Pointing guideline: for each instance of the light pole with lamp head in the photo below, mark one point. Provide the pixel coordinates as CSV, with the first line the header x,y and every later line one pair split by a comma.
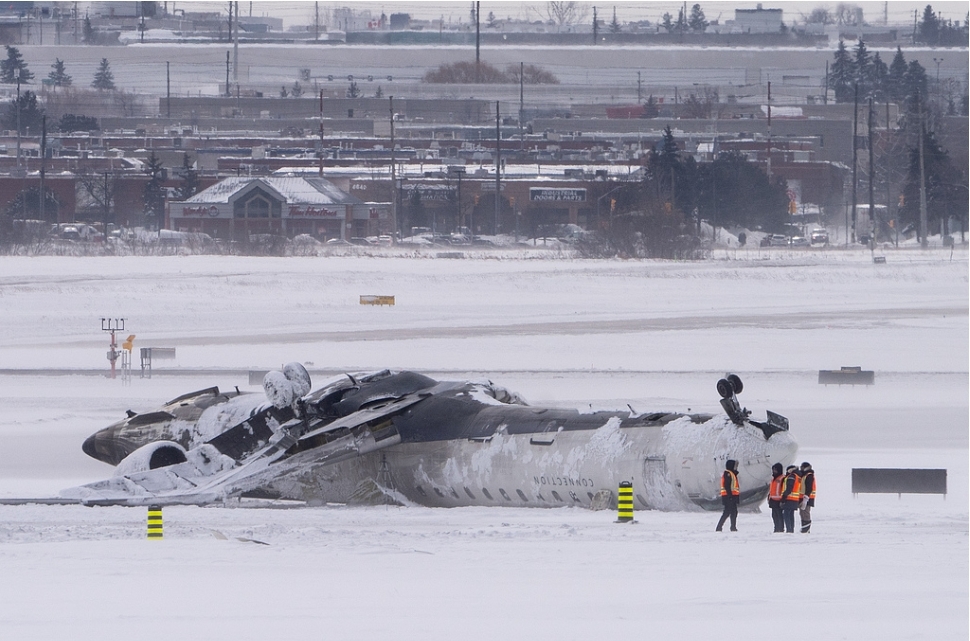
x,y
939,89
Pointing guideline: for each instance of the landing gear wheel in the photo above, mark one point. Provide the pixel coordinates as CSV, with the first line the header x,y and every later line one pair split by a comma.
x,y
735,382
724,388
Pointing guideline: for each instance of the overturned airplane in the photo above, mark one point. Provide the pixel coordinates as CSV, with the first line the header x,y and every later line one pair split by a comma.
x,y
402,437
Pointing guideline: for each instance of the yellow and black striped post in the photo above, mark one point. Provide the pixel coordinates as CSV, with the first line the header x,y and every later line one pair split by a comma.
x,y
624,502
154,521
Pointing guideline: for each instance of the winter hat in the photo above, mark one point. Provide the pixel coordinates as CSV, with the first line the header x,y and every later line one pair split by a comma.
x,y
777,468
806,465
790,468
732,465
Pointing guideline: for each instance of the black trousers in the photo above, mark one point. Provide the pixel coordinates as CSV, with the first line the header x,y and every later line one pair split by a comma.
x,y
777,518
730,511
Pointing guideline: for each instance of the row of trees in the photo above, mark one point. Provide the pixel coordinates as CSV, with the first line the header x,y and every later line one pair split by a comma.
x,y
660,215
484,73
14,68
895,82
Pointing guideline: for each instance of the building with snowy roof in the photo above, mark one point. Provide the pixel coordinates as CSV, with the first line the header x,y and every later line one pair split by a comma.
x,y
237,208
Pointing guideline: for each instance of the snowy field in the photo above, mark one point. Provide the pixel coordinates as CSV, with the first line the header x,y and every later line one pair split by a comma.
x,y
656,335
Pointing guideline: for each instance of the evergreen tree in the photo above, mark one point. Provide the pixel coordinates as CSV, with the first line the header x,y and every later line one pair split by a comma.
x,y
58,76
946,188
842,74
697,21
88,35
916,85
353,91
681,26
104,80
615,24
863,69
928,29
14,61
896,82
651,108
880,78
379,93
31,116
153,195
190,180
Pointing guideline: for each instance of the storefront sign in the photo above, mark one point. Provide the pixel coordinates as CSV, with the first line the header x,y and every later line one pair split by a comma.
x,y
542,194
211,211
309,211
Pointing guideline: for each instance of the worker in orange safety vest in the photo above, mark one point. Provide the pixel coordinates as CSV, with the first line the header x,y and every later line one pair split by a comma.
x,y
791,496
808,496
774,496
730,495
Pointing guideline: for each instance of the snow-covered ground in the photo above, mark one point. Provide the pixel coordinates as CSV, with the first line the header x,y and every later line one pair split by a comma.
x,y
572,333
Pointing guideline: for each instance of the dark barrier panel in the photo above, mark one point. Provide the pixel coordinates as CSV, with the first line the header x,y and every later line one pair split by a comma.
x,y
898,481
846,376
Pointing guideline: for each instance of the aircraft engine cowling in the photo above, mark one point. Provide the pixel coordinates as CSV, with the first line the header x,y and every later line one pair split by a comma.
x,y
286,387
151,457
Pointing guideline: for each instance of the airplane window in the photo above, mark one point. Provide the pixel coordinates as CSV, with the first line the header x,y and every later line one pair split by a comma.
x,y
522,495
421,491
487,495
505,495
590,495
642,501
556,496
469,493
574,497
454,493
438,492
542,498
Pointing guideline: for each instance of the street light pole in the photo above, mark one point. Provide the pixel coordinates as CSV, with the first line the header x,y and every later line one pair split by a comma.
x,y
16,73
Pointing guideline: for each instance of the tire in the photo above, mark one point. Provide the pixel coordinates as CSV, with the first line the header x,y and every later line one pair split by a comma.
x,y
735,382
724,388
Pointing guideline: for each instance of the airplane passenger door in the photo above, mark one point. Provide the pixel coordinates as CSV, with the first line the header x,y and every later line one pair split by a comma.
x,y
655,482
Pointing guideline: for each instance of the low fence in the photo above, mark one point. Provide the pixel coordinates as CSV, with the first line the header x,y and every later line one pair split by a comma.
x,y
898,481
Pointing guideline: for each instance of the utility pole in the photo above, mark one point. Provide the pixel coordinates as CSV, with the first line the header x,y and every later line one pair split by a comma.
x,y
872,202
168,90
639,92
43,161
394,185
498,168
769,131
923,224
227,75
521,104
855,157
316,20
825,97
595,27
320,170
234,31
478,40
16,73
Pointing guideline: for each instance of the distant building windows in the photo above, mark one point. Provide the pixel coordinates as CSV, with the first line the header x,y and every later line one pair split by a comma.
x,y
257,204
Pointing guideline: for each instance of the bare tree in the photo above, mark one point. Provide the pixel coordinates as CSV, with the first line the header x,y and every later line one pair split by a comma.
x,y
819,15
563,13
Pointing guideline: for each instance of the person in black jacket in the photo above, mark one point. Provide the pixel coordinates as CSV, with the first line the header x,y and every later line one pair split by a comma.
x,y
808,497
730,495
790,497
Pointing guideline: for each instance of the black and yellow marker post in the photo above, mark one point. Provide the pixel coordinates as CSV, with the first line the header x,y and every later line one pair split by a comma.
x,y
154,521
624,503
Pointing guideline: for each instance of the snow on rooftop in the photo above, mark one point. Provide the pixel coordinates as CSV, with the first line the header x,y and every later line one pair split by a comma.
x,y
294,189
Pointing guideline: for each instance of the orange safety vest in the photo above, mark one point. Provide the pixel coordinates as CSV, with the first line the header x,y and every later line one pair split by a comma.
x,y
734,489
775,489
796,491
811,491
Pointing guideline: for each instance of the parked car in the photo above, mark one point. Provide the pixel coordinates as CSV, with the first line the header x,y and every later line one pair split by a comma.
x,y
798,241
774,240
